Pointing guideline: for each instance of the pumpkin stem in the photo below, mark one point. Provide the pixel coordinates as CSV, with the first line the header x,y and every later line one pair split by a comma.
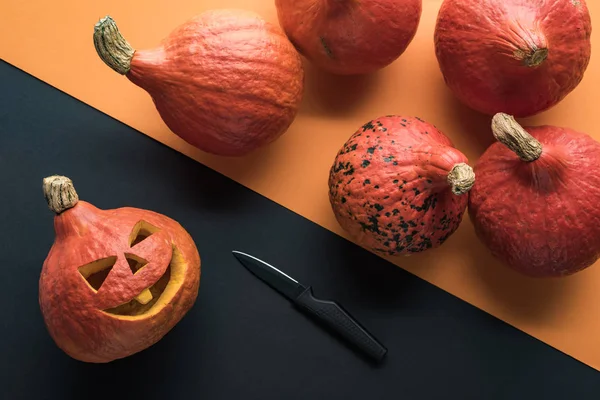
x,y
536,57
461,178
111,46
530,44
59,193
508,132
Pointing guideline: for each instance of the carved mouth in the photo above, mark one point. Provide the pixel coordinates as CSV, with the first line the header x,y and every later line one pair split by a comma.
x,y
148,297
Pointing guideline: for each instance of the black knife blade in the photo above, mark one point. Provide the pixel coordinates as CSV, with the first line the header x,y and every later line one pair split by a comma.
x,y
328,312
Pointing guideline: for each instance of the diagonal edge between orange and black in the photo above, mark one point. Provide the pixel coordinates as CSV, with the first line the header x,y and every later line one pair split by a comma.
x,y
240,337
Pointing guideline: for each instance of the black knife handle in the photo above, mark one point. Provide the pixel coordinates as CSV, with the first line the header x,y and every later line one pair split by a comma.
x,y
339,320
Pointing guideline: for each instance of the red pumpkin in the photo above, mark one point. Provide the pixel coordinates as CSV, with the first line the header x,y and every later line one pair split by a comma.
x,y
226,81
115,281
535,202
398,185
349,36
513,56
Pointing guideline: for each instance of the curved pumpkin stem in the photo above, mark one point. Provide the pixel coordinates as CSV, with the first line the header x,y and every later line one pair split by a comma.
x,y
461,178
59,193
508,132
111,46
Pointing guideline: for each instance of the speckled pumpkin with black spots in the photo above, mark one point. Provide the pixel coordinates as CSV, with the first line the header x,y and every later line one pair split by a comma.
x,y
398,186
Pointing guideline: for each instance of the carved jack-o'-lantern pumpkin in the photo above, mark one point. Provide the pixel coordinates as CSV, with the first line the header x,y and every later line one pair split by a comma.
x,y
115,281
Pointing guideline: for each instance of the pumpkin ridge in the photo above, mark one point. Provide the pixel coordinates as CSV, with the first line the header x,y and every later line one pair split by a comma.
x,y
248,60
240,94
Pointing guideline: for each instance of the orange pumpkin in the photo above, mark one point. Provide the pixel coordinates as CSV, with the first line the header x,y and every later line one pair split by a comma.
x,y
350,37
226,81
115,281
398,186
512,56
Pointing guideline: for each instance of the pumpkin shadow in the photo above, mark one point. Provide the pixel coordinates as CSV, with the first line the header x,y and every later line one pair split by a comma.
x,y
476,131
330,94
253,163
387,283
390,282
187,180
134,376
101,381
533,299
382,282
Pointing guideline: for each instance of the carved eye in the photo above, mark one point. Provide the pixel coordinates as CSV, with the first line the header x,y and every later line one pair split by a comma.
x,y
135,262
142,230
95,273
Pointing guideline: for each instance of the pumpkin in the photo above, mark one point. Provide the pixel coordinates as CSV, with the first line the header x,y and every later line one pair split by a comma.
x,y
349,37
226,81
512,56
114,281
397,186
535,202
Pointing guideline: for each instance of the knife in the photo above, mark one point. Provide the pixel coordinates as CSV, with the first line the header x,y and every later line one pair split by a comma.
x,y
328,312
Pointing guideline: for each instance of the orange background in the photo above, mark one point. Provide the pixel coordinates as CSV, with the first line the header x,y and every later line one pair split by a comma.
x,y
53,41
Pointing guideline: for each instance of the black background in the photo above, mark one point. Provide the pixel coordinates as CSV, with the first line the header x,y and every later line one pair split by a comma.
x,y
242,340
